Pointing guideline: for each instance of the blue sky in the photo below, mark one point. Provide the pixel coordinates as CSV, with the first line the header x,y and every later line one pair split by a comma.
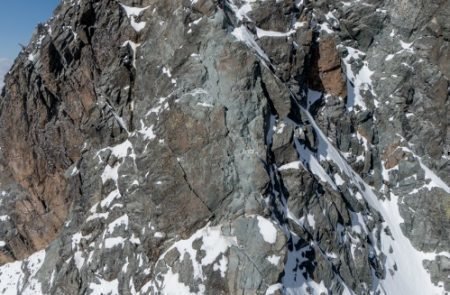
x,y
18,18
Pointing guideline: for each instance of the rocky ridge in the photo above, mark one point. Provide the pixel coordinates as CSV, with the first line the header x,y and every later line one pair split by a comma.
x,y
230,147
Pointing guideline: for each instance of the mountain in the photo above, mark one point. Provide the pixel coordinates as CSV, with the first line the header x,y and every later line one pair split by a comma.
x,y
229,147
4,67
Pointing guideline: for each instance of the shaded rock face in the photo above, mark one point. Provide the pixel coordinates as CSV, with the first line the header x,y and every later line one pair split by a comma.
x,y
228,147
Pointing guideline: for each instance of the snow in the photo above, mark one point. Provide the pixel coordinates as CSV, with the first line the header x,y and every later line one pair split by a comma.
x,y
271,129
311,220
173,286
272,288
392,34
363,140
221,266
137,26
331,18
434,180
31,57
404,255
406,46
4,218
325,27
242,34
74,171
132,13
113,242
104,287
133,47
110,173
280,127
263,33
123,220
135,240
106,202
243,10
76,238
311,163
79,259
313,96
389,57
358,223
204,104
120,151
97,216
295,282
338,179
298,25
274,259
267,230
147,132
13,275
161,105
159,235
361,81
291,165
214,245
167,72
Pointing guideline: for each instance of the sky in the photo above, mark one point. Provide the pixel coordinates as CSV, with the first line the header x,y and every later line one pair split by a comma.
x,y
18,19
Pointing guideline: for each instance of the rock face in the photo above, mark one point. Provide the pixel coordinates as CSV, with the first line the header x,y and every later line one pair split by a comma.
x,y
228,147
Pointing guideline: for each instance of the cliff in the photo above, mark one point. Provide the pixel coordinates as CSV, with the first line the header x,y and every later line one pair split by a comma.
x,y
229,147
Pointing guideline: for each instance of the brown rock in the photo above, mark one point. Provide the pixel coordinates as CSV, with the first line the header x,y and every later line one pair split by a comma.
x,y
206,7
325,73
392,156
5,257
329,58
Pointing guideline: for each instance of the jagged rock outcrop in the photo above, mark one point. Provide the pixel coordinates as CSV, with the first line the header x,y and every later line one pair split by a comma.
x,y
228,147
